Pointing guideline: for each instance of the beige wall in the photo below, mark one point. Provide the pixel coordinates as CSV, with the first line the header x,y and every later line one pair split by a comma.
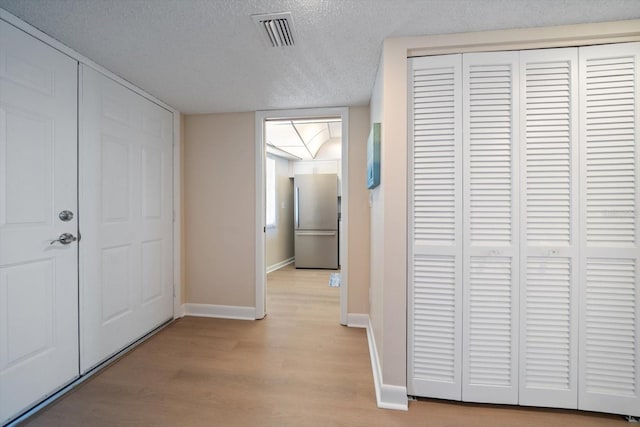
x,y
219,178
183,236
377,225
279,240
394,173
219,210
358,291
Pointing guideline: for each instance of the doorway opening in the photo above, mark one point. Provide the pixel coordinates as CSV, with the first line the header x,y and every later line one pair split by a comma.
x,y
313,144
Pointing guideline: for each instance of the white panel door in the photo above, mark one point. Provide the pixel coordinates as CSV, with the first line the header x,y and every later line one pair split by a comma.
x,y
610,243
490,266
38,175
549,238
126,223
435,228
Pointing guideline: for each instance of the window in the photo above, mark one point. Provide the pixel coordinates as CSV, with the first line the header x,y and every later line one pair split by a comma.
x,y
271,192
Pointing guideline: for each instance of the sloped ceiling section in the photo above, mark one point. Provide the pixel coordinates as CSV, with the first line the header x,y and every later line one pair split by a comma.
x,y
206,56
301,139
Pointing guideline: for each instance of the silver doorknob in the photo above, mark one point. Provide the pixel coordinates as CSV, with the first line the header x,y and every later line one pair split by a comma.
x,y
65,215
65,239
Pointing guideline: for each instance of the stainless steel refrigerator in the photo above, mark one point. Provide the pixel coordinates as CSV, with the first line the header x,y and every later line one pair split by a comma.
x,y
316,221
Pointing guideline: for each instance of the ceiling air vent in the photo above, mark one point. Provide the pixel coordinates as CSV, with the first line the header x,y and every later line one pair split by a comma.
x,y
276,28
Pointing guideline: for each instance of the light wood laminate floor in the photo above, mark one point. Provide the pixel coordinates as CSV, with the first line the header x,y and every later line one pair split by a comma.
x,y
297,367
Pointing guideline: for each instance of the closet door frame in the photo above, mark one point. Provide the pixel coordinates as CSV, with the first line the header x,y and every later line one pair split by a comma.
x,y
501,40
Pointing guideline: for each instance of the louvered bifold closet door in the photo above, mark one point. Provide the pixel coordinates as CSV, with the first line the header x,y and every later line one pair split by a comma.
x,y
435,227
549,238
610,248
490,265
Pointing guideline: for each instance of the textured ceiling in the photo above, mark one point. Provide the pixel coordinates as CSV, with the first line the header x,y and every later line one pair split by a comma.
x,y
205,56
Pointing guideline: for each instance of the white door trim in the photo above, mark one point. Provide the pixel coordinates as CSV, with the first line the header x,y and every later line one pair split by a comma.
x,y
261,276
177,218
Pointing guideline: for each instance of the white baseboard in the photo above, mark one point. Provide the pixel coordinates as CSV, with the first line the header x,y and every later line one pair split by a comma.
x,y
179,311
357,320
280,264
387,396
219,311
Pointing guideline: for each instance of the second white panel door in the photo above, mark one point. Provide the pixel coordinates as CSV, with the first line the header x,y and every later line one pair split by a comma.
x,y
490,236
126,223
549,227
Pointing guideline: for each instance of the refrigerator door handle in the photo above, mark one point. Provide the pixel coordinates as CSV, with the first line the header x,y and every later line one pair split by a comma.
x,y
296,207
315,233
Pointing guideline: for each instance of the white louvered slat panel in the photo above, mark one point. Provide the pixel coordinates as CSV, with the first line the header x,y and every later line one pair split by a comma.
x,y
548,151
435,229
610,327
434,296
548,297
490,153
491,205
611,151
490,338
610,251
434,156
549,228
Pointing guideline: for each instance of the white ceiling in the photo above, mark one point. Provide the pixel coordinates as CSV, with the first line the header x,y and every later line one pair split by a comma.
x,y
205,56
